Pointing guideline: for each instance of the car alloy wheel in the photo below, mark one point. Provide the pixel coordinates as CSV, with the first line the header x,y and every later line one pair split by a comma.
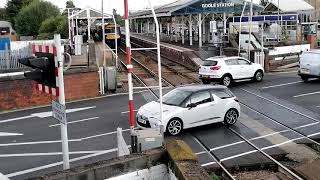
x,y
258,76
226,81
231,117
174,127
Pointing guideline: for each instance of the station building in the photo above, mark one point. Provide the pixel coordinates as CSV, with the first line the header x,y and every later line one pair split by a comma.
x,y
217,22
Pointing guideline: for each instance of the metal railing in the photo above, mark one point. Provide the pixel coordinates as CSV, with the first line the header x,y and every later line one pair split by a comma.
x,y
9,58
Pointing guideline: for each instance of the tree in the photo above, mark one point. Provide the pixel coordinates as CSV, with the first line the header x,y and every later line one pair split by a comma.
x,y
30,17
263,2
69,4
54,25
3,14
118,18
13,7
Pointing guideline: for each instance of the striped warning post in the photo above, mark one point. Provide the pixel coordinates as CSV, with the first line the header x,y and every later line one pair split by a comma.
x,y
47,48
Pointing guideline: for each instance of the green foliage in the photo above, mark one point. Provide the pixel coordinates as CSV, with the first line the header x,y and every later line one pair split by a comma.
x,y
118,18
69,4
3,15
30,17
214,176
54,25
13,7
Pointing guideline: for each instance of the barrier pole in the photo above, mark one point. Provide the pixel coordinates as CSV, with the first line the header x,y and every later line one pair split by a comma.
x,y
129,68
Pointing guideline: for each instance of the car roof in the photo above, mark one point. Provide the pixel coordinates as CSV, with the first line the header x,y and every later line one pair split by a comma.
x,y
222,58
195,88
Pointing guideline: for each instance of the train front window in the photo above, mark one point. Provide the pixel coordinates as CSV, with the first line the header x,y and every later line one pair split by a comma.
x,y
111,30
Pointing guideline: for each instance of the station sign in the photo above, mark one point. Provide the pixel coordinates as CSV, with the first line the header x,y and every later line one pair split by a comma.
x,y
217,5
59,112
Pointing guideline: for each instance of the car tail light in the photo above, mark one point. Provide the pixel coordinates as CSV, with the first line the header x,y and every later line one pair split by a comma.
x,y
215,68
237,100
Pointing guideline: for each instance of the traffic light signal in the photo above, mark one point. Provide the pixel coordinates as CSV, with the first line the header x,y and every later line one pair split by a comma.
x,y
44,68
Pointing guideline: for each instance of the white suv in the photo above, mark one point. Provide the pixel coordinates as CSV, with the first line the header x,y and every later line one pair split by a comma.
x,y
228,69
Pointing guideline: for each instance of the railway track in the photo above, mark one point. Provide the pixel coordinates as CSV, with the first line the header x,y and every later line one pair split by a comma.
x,y
295,130
172,72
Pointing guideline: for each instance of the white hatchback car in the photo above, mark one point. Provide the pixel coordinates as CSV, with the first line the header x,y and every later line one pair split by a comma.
x,y
228,69
191,106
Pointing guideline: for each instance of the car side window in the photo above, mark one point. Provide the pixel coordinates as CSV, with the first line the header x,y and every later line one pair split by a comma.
x,y
222,94
200,98
243,62
231,62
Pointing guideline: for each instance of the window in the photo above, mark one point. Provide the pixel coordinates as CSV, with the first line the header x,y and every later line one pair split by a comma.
x,y
175,97
243,62
231,62
223,93
210,63
200,98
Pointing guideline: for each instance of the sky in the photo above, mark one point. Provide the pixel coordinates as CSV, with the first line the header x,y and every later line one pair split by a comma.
x,y
108,4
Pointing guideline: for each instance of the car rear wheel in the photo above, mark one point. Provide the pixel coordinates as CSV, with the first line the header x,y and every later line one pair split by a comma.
x,y
231,117
174,126
258,76
226,80
205,81
304,78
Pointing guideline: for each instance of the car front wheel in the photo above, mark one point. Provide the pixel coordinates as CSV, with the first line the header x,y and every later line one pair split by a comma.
x,y
231,117
304,78
258,76
174,126
226,80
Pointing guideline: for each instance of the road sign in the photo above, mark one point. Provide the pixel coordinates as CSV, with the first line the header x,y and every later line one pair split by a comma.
x,y
59,112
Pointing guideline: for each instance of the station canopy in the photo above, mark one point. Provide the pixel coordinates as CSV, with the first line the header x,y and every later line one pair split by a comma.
x,y
288,6
186,7
89,13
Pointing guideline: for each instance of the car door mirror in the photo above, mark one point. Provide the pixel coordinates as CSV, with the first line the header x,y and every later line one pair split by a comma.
x,y
191,105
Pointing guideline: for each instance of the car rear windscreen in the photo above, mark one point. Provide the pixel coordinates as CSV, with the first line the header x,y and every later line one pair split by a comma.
x,y
210,63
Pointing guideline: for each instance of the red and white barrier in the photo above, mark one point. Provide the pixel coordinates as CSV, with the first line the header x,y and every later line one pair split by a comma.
x,y
47,48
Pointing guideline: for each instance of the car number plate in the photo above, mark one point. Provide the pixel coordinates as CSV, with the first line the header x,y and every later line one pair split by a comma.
x,y
305,71
142,121
205,76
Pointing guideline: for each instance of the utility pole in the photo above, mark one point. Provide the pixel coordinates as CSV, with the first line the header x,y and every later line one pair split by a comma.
x,y
62,101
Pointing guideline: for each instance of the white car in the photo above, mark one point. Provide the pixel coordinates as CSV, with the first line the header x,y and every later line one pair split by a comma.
x,y
228,69
191,106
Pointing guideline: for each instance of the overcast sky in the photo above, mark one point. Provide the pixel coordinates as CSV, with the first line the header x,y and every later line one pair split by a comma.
x,y
108,4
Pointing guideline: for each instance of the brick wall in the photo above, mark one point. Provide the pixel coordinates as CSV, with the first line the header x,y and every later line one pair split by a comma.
x,y
20,93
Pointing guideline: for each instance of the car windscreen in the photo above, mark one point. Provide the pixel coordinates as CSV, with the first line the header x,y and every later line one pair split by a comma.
x,y
175,97
209,63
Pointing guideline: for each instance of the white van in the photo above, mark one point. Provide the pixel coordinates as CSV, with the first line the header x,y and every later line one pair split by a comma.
x,y
309,65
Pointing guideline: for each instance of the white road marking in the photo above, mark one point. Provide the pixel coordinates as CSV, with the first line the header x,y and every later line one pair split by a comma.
x,y
208,164
2,134
279,85
60,163
72,122
318,106
238,155
59,141
307,94
99,135
48,153
15,119
37,142
126,112
45,114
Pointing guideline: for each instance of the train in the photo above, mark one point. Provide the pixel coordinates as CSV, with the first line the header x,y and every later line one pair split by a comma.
x,y
112,33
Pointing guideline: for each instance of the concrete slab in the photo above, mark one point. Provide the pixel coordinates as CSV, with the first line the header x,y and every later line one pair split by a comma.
x,y
309,170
